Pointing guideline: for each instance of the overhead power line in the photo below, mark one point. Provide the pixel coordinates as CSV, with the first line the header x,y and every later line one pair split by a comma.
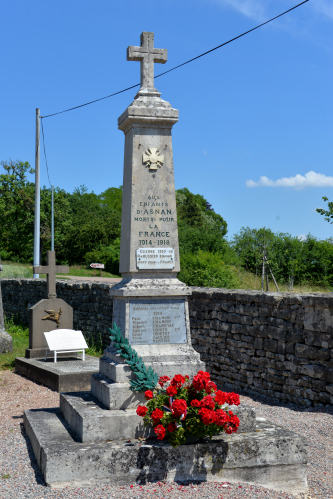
x,y
179,65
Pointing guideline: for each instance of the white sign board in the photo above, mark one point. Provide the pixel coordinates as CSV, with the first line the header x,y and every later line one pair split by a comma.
x,y
65,339
97,265
155,258
156,322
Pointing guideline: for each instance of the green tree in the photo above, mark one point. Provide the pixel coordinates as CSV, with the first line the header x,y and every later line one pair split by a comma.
x,y
328,214
291,259
92,225
199,227
112,198
16,209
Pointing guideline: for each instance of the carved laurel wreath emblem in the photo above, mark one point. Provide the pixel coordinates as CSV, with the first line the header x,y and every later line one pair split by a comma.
x,y
152,158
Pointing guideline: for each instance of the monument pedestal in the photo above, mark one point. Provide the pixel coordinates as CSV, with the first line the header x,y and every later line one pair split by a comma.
x,y
77,453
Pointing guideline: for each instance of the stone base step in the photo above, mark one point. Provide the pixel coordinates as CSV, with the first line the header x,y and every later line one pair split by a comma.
x,y
270,456
69,374
91,421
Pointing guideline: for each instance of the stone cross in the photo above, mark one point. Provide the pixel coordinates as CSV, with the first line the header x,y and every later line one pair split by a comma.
x,y
147,55
51,269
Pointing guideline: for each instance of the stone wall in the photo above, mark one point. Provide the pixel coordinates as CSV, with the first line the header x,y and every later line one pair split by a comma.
x,y
91,302
273,344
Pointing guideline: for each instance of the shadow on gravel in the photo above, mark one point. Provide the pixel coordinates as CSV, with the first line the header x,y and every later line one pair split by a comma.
x,y
33,462
273,402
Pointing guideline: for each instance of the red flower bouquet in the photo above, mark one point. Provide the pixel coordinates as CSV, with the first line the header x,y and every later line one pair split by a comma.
x,y
178,408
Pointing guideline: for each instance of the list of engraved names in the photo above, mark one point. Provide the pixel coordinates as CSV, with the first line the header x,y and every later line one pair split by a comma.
x,y
156,322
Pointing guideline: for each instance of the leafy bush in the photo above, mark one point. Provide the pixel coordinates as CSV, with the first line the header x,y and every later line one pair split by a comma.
x,y
109,255
208,270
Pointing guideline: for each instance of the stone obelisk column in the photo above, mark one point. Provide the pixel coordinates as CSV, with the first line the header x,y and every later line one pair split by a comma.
x,y
150,303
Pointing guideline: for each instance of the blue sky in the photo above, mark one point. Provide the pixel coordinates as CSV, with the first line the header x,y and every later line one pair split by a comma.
x,y
255,130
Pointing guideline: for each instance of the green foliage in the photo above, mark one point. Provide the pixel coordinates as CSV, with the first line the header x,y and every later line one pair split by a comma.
x,y
328,214
94,343
92,225
20,336
146,379
199,227
208,270
112,198
16,271
291,259
109,255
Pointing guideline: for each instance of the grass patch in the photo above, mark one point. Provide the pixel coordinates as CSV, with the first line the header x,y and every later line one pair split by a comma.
x,y
95,345
78,271
17,270
20,335
24,271
250,281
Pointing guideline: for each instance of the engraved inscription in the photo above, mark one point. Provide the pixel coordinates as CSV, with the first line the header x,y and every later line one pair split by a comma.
x,y
154,213
154,258
156,322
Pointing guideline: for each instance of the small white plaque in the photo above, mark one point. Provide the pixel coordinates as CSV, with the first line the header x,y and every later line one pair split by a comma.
x,y
155,258
156,322
65,339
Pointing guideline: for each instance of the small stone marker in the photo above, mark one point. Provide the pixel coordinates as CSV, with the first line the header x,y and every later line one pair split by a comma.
x,y
48,313
6,341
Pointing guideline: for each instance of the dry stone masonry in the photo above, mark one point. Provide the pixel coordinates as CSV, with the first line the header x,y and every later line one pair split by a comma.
x,y
275,344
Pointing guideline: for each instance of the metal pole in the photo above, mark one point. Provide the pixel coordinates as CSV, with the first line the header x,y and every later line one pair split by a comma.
x,y
52,221
269,267
263,265
37,196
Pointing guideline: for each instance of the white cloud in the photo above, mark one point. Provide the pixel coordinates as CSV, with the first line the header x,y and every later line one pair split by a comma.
x,y
255,9
310,179
260,10
325,7
301,237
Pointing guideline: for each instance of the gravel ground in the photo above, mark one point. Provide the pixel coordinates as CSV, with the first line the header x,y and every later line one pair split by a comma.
x,y
20,477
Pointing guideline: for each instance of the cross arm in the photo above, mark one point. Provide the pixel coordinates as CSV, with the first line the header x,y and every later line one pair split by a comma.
x,y
62,269
40,269
160,55
135,53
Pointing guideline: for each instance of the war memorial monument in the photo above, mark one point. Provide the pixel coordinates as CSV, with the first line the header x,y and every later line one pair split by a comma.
x,y
96,437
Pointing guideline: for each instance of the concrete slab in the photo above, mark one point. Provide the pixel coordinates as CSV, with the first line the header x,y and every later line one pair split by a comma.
x,y
270,456
68,374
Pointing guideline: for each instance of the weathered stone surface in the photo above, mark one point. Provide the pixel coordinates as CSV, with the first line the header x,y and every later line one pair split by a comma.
x,y
115,395
6,342
39,324
68,374
271,457
90,420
